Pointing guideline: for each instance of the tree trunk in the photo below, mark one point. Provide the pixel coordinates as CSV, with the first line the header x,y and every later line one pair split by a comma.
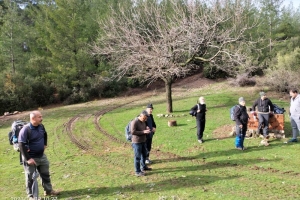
x,y
168,85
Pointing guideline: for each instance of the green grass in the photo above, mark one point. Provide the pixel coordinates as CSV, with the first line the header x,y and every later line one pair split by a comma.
x,y
88,163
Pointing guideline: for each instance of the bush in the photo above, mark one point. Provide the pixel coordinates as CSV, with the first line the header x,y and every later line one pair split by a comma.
x,y
242,80
281,80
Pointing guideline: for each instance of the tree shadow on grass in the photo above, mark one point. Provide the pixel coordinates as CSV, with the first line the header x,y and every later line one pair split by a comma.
x,y
125,190
212,154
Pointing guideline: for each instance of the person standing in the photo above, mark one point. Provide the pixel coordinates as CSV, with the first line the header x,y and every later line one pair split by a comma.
x,y
32,145
200,118
139,131
295,114
265,107
152,126
241,118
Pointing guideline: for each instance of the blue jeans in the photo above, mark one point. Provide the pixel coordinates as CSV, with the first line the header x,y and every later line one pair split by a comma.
x,y
140,153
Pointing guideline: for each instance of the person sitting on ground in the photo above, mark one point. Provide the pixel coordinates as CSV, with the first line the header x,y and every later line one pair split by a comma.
x,y
241,118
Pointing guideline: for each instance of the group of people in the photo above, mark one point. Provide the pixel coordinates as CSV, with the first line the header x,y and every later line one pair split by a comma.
x,y
143,129
265,108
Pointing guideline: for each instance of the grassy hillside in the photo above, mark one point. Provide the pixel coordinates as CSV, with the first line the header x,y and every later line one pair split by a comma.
x,y
91,159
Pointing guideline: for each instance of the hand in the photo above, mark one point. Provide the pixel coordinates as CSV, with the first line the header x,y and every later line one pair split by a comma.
x,y
147,131
198,111
147,127
241,126
153,129
31,162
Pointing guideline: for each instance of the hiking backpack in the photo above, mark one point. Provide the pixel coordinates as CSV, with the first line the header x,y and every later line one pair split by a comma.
x,y
128,134
194,112
232,112
278,110
14,133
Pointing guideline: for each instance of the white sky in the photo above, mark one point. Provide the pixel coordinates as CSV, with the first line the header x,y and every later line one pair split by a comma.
x,y
296,3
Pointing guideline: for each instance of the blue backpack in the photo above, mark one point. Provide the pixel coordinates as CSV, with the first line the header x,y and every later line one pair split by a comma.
x,y
278,110
232,112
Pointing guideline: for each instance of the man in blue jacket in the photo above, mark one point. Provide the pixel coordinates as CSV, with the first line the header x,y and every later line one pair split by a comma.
x,y
32,143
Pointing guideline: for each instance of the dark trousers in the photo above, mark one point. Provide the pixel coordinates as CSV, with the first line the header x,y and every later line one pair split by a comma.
x,y
149,144
200,128
263,120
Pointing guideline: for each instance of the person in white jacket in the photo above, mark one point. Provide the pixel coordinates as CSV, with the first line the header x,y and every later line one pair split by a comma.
x,y
295,114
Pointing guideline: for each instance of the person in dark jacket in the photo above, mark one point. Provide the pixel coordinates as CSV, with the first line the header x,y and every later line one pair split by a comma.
x,y
200,118
152,126
139,132
264,108
241,118
32,146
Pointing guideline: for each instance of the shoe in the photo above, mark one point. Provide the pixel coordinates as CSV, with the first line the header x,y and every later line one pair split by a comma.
x,y
147,169
200,141
148,161
51,193
293,140
140,174
239,148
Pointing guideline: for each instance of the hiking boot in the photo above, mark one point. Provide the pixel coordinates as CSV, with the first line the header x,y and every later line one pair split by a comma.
x,y
140,174
293,140
146,169
51,193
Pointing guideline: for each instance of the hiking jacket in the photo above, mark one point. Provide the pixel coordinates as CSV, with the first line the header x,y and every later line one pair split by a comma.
x,y
295,106
151,124
200,115
263,105
240,115
137,131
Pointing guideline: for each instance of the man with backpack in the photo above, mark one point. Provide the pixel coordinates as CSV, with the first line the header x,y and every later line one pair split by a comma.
x,y
139,131
241,118
152,126
265,107
32,144
200,109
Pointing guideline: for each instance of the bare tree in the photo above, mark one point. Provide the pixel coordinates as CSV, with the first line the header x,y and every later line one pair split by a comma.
x,y
166,40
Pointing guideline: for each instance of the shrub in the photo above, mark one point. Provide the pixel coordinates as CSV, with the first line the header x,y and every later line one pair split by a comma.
x,y
242,80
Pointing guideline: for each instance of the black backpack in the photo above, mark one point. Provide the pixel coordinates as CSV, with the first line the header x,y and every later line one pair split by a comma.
x,y
193,113
14,133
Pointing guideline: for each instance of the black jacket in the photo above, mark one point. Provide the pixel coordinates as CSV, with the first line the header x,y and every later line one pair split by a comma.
x,y
200,115
263,105
240,115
